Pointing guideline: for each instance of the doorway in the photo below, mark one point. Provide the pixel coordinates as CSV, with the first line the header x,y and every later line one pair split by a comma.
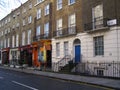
x,y
77,51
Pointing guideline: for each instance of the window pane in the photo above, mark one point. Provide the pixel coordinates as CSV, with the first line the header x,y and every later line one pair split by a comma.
x,y
29,36
46,28
72,21
38,31
59,4
99,45
38,13
71,1
58,49
65,48
47,9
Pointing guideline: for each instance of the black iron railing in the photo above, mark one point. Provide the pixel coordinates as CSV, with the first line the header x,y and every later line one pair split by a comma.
x,y
97,23
42,36
65,32
105,69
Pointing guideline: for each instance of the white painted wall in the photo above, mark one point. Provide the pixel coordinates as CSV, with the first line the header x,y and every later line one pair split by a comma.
x,y
111,46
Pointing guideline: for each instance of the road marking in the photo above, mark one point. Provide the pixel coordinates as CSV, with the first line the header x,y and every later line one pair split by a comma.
x,y
24,85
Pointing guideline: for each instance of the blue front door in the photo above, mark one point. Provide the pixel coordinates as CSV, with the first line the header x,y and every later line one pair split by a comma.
x,y
77,53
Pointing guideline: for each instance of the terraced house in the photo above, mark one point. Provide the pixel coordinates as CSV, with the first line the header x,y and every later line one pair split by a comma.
x,y
25,34
101,40
56,33
66,28
87,33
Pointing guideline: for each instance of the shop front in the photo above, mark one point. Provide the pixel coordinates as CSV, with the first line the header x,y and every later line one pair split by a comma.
x,y
35,46
26,55
5,56
14,56
42,53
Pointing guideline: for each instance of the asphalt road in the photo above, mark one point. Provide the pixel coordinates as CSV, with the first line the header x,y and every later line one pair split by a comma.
x,y
11,80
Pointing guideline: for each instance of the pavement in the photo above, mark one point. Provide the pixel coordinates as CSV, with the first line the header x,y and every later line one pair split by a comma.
x,y
106,82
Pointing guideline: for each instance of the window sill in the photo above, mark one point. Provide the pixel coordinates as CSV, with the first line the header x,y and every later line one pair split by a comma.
x,y
38,3
59,9
46,14
98,55
71,3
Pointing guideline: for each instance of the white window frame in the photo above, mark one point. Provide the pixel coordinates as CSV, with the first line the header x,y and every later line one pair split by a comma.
x,y
46,29
70,3
13,41
24,22
72,20
47,9
8,30
1,43
97,16
9,19
29,37
59,27
23,38
24,10
66,48
30,19
38,30
2,33
30,5
98,45
5,31
39,1
39,11
8,42
59,4
72,23
6,21
17,40
4,43
57,49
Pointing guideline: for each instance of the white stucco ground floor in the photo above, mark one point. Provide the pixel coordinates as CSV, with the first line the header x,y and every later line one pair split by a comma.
x,y
96,46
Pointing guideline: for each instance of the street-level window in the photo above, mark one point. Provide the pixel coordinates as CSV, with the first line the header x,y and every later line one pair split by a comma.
x,y
71,2
98,45
38,30
66,48
38,13
59,4
57,49
47,11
